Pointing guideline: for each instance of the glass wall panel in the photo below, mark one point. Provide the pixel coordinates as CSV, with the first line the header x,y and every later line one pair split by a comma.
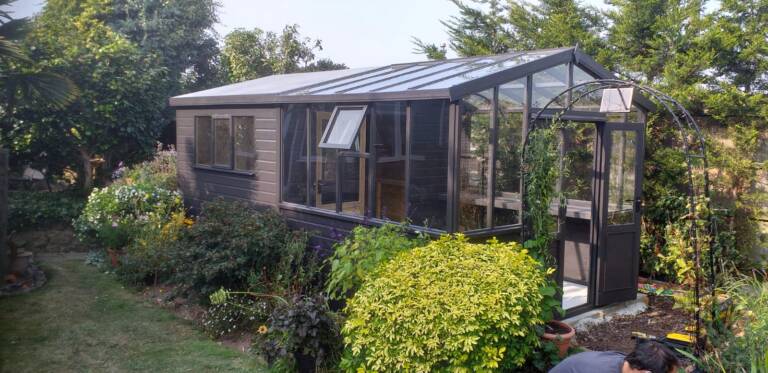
x,y
508,151
294,148
428,189
245,144
322,160
621,185
548,84
474,137
354,184
578,160
590,101
203,141
390,160
222,143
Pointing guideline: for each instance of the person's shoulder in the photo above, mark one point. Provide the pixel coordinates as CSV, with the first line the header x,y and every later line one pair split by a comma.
x,y
589,361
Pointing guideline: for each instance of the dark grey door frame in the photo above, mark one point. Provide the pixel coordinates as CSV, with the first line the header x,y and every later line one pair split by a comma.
x,y
606,273
599,228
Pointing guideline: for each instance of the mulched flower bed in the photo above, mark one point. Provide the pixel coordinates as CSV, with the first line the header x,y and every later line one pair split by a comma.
x,y
658,320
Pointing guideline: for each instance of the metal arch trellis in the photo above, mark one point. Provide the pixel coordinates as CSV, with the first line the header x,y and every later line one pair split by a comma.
x,y
694,147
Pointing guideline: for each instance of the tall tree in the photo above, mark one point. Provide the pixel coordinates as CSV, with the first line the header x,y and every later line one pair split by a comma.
x,y
179,32
18,81
493,26
249,54
123,90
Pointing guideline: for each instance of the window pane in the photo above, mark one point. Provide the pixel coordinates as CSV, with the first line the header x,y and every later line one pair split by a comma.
x,y
203,141
621,185
589,101
294,161
578,161
508,150
548,84
428,190
222,142
390,161
473,159
344,128
245,144
354,182
323,161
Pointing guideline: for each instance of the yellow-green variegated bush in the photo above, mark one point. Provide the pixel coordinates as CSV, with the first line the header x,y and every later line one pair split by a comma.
x,y
449,306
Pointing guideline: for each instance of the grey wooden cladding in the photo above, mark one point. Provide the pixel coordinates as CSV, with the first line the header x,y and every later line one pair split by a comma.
x,y
199,184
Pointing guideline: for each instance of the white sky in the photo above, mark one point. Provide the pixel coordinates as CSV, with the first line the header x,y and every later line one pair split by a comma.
x,y
359,33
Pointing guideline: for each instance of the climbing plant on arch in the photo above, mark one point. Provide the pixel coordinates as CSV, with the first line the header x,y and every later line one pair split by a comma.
x,y
537,191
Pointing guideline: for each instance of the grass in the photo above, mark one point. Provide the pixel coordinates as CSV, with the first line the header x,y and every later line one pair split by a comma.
x,y
83,320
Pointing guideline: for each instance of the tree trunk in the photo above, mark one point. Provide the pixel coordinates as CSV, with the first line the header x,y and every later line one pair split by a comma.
x,y
86,178
4,261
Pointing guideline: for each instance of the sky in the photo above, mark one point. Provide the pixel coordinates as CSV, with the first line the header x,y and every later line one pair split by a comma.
x,y
354,32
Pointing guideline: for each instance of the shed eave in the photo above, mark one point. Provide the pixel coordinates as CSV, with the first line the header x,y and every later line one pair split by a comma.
x,y
421,94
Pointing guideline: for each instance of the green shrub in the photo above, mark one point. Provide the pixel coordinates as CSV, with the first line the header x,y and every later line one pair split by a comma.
x,y
449,305
160,171
234,246
35,209
303,326
118,212
740,344
147,256
363,250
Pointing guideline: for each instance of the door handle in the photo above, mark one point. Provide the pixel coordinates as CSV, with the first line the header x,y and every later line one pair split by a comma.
x,y
638,205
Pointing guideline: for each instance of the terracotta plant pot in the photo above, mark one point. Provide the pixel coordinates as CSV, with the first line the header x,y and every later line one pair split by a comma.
x,y
560,334
114,257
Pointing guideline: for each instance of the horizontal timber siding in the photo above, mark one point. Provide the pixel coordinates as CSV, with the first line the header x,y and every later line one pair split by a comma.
x,y
199,185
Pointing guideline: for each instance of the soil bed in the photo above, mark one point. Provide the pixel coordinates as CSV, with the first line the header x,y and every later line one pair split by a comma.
x,y
616,335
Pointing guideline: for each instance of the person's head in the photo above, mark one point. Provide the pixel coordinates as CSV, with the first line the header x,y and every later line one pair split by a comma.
x,y
650,357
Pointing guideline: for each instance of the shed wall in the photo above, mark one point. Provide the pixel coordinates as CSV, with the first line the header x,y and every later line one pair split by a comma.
x,y
199,184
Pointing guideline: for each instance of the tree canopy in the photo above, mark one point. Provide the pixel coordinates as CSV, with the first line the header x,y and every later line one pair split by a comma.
x,y
250,54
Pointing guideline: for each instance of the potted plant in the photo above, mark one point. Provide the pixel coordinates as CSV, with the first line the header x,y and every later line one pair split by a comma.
x,y
560,334
114,237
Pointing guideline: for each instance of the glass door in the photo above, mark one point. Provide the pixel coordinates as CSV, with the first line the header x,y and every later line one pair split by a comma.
x,y
618,244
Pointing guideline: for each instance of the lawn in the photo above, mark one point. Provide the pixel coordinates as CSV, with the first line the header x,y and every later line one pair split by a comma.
x,y
84,320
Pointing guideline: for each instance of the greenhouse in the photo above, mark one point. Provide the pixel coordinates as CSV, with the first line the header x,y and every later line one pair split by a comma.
x,y
436,144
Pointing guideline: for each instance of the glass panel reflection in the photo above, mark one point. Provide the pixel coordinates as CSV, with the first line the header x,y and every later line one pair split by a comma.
x,y
203,140
548,84
508,151
428,189
222,152
621,184
473,159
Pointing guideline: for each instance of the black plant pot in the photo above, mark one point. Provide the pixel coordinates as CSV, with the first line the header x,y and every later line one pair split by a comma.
x,y
304,363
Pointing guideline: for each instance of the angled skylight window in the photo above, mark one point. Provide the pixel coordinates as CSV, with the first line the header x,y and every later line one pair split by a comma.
x,y
343,127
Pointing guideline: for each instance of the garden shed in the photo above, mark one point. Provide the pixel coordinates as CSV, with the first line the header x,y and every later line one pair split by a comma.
x,y
436,144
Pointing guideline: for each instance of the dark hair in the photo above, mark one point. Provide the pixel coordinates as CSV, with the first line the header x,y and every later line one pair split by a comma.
x,y
652,356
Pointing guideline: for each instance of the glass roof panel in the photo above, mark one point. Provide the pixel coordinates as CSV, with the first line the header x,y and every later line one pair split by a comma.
x,y
430,78
406,77
340,86
474,74
374,72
